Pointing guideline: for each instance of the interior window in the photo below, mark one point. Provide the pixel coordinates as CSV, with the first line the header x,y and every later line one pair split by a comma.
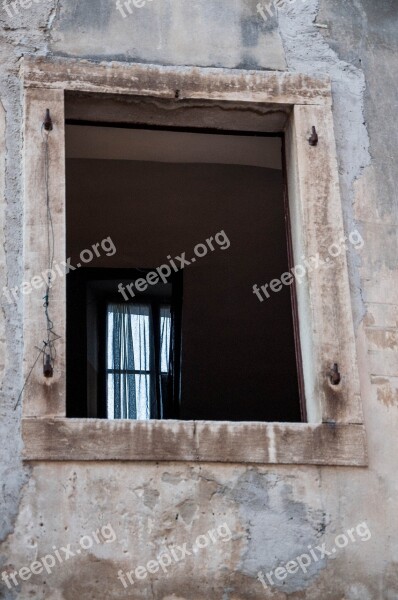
x,y
124,355
134,367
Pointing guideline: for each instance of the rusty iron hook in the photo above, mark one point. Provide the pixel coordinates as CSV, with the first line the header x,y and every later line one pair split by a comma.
x,y
48,124
313,140
335,376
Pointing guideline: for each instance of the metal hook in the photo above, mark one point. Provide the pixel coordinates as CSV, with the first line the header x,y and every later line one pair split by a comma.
x,y
48,124
48,370
335,376
313,140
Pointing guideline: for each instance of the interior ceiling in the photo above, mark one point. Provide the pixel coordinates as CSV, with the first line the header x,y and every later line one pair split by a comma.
x,y
115,143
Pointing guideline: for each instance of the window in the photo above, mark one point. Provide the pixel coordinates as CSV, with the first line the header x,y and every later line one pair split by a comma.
x,y
136,374
124,356
210,206
138,95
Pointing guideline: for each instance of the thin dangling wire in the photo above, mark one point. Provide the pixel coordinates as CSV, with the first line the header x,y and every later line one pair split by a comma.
x,y
49,354
41,351
48,349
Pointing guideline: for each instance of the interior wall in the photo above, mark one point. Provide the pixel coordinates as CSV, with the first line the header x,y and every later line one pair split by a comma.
x,y
160,145
238,353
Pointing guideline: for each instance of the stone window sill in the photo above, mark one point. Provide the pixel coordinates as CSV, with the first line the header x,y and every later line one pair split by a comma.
x,y
60,439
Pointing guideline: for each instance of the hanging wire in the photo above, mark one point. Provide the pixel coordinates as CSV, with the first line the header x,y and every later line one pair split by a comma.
x,y
50,353
41,350
48,349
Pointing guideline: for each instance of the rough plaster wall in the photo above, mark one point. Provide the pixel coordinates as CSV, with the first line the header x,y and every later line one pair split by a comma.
x,y
220,34
274,513
27,33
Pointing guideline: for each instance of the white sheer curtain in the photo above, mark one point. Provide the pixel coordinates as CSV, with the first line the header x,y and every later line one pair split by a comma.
x,y
136,386
129,357
165,333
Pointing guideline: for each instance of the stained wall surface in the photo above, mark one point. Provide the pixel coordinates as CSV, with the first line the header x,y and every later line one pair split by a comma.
x,y
273,513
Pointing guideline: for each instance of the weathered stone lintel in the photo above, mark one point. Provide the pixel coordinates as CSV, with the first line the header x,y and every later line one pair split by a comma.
x,y
196,441
169,82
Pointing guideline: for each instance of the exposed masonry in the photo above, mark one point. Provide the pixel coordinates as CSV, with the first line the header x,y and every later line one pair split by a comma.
x,y
280,511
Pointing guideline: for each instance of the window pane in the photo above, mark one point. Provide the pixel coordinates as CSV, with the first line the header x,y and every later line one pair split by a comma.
x,y
128,352
132,345
165,329
134,393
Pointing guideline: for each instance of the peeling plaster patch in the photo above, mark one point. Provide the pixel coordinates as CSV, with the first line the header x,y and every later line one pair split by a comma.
x,y
172,478
279,528
383,339
188,510
387,395
148,496
151,498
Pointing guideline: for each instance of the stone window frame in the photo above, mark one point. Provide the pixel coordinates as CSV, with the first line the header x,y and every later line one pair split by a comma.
x,y
335,432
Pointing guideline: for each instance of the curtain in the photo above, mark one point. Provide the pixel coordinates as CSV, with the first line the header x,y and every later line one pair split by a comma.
x,y
165,335
129,357
165,368
174,374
